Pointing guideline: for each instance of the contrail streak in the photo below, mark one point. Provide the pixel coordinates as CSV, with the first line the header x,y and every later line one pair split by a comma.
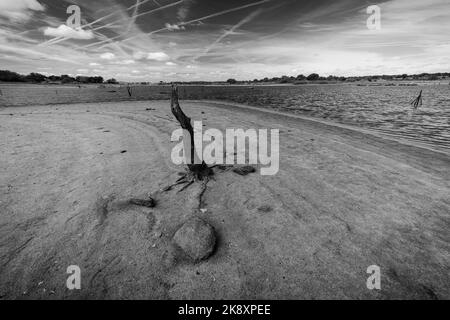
x,y
133,16
119,48
247,19
186,23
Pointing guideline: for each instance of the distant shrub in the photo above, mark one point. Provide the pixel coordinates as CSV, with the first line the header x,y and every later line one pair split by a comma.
x,y
67,79
35,77
10,76
112,81
83,79
313,77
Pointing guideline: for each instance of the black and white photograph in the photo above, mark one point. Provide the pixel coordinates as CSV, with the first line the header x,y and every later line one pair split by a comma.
x,y
224,150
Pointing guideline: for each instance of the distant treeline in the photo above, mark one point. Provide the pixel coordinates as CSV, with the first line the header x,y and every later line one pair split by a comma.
x,y
9,76
316,77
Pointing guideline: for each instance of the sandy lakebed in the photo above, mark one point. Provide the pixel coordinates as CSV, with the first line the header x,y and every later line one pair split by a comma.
x,y
343,200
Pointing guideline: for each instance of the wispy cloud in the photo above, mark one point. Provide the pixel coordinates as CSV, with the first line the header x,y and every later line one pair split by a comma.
x,y
173,27
158,56
107,56
68,33
183,11
19,10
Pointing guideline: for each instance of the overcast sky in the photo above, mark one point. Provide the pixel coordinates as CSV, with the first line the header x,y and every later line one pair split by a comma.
x,y
152,40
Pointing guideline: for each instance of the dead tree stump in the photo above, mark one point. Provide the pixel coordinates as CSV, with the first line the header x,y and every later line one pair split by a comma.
x,y
130,90
199,170
417,102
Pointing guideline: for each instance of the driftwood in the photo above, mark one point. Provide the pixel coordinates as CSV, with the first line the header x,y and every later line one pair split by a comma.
x,y
149,203
199,170
417,102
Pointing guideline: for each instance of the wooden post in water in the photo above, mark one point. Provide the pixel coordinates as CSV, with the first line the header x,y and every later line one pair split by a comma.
x,y
417,102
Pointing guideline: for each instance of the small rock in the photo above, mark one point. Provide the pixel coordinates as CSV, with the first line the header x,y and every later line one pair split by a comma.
x,y
196,238
245,170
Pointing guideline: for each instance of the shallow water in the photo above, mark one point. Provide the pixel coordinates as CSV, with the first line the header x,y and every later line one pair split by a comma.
x,y
384,109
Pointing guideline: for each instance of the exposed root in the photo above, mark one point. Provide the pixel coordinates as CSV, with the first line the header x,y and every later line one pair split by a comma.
x,y
201,193
222,167
170,187
188,178
188,183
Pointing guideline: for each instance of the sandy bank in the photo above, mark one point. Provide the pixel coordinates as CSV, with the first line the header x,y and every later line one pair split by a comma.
x,y
342,200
